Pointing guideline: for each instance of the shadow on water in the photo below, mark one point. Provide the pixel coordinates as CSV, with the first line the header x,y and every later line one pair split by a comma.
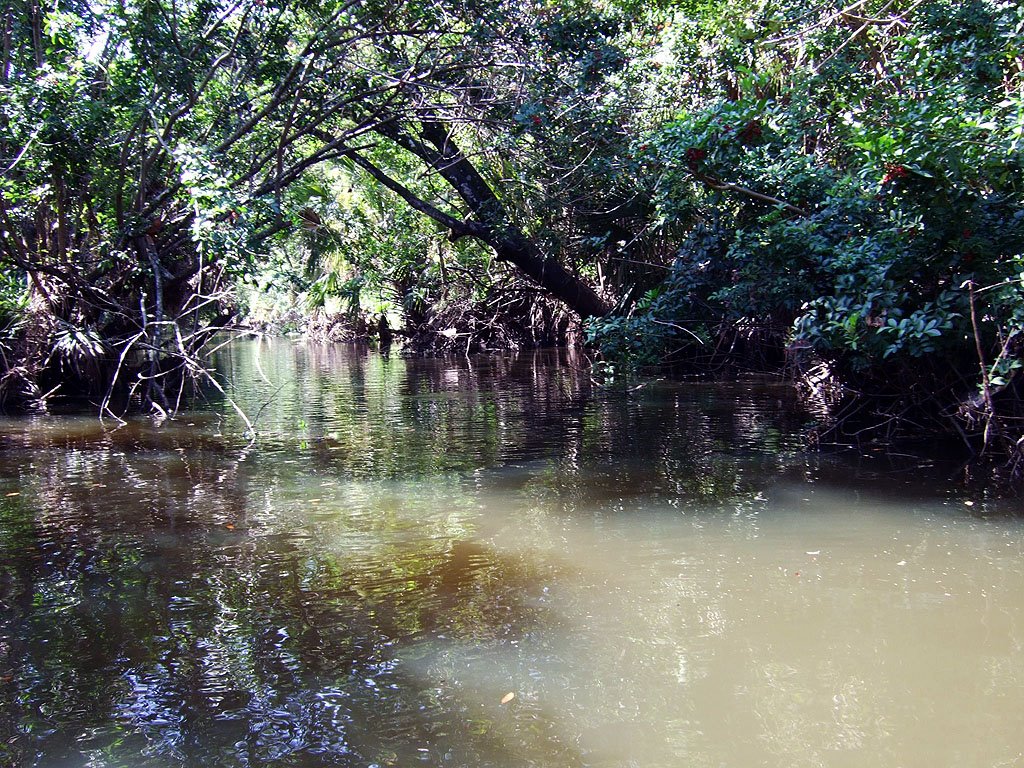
x,y
409,542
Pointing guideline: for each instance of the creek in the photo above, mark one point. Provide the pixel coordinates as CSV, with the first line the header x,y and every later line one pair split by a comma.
x,y
489,561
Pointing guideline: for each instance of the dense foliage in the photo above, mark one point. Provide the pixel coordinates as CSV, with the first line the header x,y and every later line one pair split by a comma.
x,y
833,188
851,195
154,151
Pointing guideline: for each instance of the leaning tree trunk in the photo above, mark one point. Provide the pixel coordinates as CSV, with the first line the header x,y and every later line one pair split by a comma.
x,y
492,224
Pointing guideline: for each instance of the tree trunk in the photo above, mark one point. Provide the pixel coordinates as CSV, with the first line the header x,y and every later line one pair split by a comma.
x,y
514,248
493,226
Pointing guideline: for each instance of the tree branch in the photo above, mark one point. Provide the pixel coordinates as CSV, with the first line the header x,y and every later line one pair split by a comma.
x,y
725,186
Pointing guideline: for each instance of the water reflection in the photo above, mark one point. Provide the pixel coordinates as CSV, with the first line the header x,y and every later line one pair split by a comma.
x,y
661,578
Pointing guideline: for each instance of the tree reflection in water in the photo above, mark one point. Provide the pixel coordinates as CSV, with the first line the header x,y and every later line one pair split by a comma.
x,y
333,595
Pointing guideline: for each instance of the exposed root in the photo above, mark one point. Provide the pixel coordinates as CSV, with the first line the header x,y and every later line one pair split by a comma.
x,y
505,320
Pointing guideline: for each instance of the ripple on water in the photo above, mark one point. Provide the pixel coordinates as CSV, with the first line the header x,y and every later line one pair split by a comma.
x,y
655,576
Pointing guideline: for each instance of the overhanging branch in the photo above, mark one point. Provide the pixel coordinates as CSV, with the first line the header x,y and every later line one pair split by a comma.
x,y
458,227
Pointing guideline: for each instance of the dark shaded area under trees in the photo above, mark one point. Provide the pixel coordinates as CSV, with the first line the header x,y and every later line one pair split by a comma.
x,y
828,189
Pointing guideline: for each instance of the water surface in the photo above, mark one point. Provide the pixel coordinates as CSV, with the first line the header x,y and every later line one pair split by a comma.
x,y
489,562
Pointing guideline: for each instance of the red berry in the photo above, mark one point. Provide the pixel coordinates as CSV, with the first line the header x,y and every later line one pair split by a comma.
x,y
893,172
750,131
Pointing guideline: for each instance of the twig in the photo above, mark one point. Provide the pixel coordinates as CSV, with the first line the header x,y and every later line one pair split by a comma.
x,y
105,405
193,366
986,389
681,328
724,186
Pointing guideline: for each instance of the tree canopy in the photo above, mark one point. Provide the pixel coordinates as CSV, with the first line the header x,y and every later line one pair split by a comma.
x,y
834,187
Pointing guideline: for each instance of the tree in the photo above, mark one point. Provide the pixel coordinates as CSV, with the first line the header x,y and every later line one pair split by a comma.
x,y
150,146
852,192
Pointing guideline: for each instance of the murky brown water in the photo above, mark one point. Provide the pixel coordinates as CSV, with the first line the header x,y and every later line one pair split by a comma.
x,y
660,577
